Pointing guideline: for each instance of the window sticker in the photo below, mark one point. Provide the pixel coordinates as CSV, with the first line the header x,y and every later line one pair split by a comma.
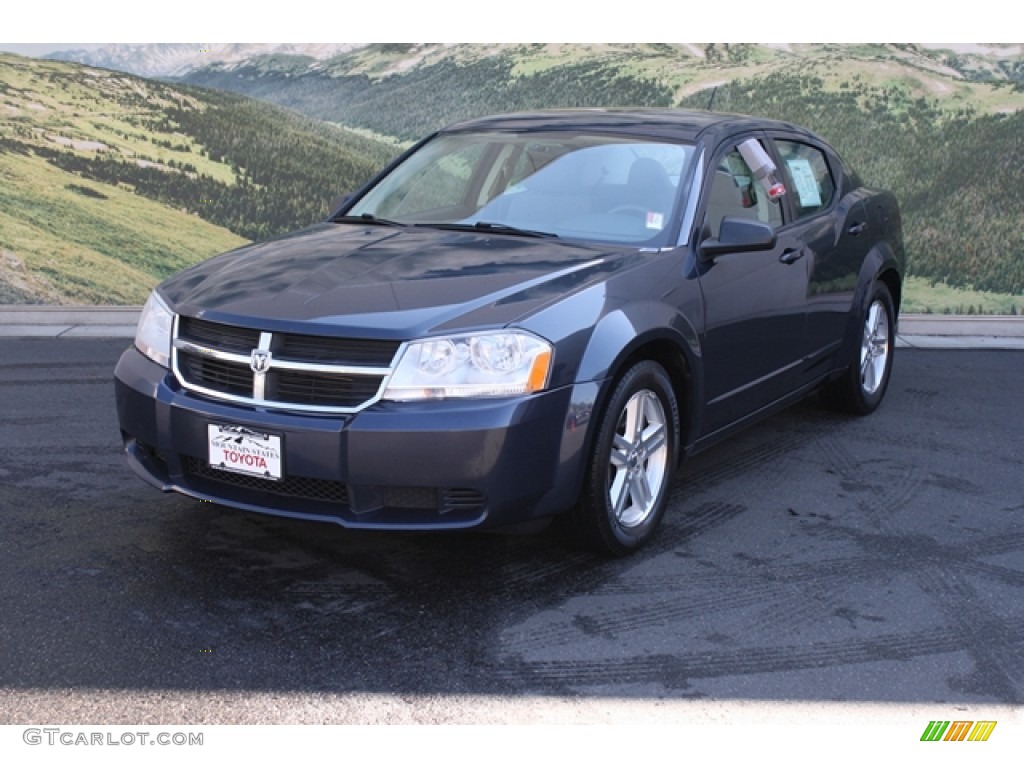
x,y
806,184
655,220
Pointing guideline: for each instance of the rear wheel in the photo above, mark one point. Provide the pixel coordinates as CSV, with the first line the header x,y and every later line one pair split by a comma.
x,y
862,386
631,464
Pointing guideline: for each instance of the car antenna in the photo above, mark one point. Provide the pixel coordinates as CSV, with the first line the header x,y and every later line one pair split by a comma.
x,y
711,99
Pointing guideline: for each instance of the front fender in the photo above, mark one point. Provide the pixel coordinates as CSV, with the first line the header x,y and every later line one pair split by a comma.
x,y
647,330
620,333
644,330
598,333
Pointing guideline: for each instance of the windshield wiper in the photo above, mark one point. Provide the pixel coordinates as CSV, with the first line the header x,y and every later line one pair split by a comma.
x,y
488,226
367,218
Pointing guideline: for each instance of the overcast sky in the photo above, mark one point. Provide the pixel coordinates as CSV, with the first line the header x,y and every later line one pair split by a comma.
x,y
119,21
41,49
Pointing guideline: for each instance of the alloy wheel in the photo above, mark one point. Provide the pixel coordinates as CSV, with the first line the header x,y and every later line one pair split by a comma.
x,y
639,459
874,348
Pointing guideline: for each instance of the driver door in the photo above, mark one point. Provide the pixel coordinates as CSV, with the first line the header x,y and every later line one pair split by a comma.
x,y
754,302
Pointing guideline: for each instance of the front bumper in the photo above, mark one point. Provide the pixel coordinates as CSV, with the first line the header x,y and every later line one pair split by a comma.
x,y
407,466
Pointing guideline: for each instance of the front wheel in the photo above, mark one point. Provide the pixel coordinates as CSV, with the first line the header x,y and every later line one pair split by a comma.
x,y
631,463
862,386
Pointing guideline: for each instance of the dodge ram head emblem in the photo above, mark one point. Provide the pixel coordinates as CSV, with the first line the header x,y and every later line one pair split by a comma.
x,y
260,360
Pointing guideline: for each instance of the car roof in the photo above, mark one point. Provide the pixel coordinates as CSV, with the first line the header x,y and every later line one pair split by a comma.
x,y
675,124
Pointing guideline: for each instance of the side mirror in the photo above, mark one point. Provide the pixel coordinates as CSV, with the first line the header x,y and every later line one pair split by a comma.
x,y
738,236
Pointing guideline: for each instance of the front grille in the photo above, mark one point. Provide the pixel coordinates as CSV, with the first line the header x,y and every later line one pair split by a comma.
x,y
315,388
408,497
381,505
322,349
229,338
221,375
301,372
462,500
302,487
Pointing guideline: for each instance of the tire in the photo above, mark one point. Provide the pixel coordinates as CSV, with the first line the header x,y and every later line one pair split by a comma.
x,y
630,468
862,386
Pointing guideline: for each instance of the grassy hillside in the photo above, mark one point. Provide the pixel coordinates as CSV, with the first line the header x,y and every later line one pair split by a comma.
x,y
67,240
957,175
408,90
928,297
110,182
941,129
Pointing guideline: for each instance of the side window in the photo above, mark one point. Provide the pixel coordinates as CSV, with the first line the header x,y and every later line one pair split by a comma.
x,y
735,192
809,179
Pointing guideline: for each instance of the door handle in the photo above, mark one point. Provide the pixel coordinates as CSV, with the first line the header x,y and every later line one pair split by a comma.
x,y
790,255
857,228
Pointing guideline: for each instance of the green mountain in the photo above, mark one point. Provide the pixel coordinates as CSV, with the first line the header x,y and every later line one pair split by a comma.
x,y
942,128
109,182
956,174
407,90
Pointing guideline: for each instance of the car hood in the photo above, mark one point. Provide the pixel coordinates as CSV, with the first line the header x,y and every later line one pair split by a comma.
x,y
386,282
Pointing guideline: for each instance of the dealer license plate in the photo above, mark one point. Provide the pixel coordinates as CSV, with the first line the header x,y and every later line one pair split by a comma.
x,y
245,451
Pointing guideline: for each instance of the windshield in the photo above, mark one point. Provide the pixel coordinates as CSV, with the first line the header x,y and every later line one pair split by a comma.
x,y
590,187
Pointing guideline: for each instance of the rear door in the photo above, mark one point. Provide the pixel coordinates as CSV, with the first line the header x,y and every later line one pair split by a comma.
x,y
830,225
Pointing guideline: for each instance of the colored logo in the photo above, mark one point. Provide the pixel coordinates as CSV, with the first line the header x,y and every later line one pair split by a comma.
x,y
958,730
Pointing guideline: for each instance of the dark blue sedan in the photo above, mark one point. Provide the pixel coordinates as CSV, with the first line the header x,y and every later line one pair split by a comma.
x,y
524,316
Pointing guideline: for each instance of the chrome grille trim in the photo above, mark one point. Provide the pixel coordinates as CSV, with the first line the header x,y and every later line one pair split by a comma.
x,y
216,354
259,397
259,379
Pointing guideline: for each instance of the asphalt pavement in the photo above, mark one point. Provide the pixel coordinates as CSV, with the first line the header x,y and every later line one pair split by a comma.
x,y
812,566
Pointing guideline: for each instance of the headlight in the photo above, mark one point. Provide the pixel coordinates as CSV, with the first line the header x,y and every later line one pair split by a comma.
x,y
153,334
486,364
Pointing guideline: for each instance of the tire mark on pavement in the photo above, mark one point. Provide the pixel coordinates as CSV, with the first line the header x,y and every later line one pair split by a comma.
x,y
679,670
998,662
